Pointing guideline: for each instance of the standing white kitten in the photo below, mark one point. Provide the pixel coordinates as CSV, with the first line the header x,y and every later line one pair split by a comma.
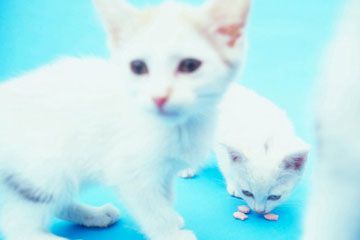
x,y
333,211
132,123
259,154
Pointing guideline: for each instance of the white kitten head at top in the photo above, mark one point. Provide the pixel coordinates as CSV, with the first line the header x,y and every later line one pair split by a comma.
x,y
175,60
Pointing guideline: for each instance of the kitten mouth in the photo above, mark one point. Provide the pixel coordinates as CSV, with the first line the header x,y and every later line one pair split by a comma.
x,y
169,114
261,212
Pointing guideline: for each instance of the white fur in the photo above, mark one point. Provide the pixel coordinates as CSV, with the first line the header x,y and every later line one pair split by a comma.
x,y
262,137
81,120
333,205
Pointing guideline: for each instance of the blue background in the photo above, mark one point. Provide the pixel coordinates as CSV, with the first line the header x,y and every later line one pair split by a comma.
x,y
286,38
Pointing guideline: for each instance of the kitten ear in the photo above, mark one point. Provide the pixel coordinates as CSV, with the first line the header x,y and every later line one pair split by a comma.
x,y
297,159
226,26
234,155
115,15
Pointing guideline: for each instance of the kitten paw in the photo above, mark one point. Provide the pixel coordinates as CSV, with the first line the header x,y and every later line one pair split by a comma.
x,y
244,209
178,235
187,173
181,222
232,191
104,216
185,235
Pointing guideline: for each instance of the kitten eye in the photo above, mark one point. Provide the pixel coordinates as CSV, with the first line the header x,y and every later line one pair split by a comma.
x,y
247,193
274,197
139,67
189,65
235,156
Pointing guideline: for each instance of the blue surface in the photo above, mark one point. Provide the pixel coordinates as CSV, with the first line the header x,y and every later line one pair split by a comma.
x,y
286,43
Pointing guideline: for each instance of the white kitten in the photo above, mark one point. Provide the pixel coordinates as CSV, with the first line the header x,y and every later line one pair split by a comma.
x,y
259,154
132,123
333,211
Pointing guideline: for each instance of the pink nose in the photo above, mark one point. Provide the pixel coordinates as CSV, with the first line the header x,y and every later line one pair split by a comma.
x,y
160,101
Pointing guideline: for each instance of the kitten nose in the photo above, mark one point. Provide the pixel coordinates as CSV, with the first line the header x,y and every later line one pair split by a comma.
x,y
160,101
259,210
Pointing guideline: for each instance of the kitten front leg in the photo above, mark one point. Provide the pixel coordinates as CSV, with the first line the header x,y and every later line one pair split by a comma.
x,y
149,204
90,216
225,166
226,173
231,189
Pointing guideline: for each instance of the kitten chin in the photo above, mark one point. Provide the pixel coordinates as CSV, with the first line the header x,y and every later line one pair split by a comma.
x,y
169,117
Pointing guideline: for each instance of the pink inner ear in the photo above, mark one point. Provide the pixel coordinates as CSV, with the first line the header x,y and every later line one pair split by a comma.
x,y
295,163
233,154
233,31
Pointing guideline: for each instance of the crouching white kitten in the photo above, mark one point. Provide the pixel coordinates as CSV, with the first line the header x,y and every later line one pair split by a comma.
x,y
333,211
257,150
259,154
132,122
